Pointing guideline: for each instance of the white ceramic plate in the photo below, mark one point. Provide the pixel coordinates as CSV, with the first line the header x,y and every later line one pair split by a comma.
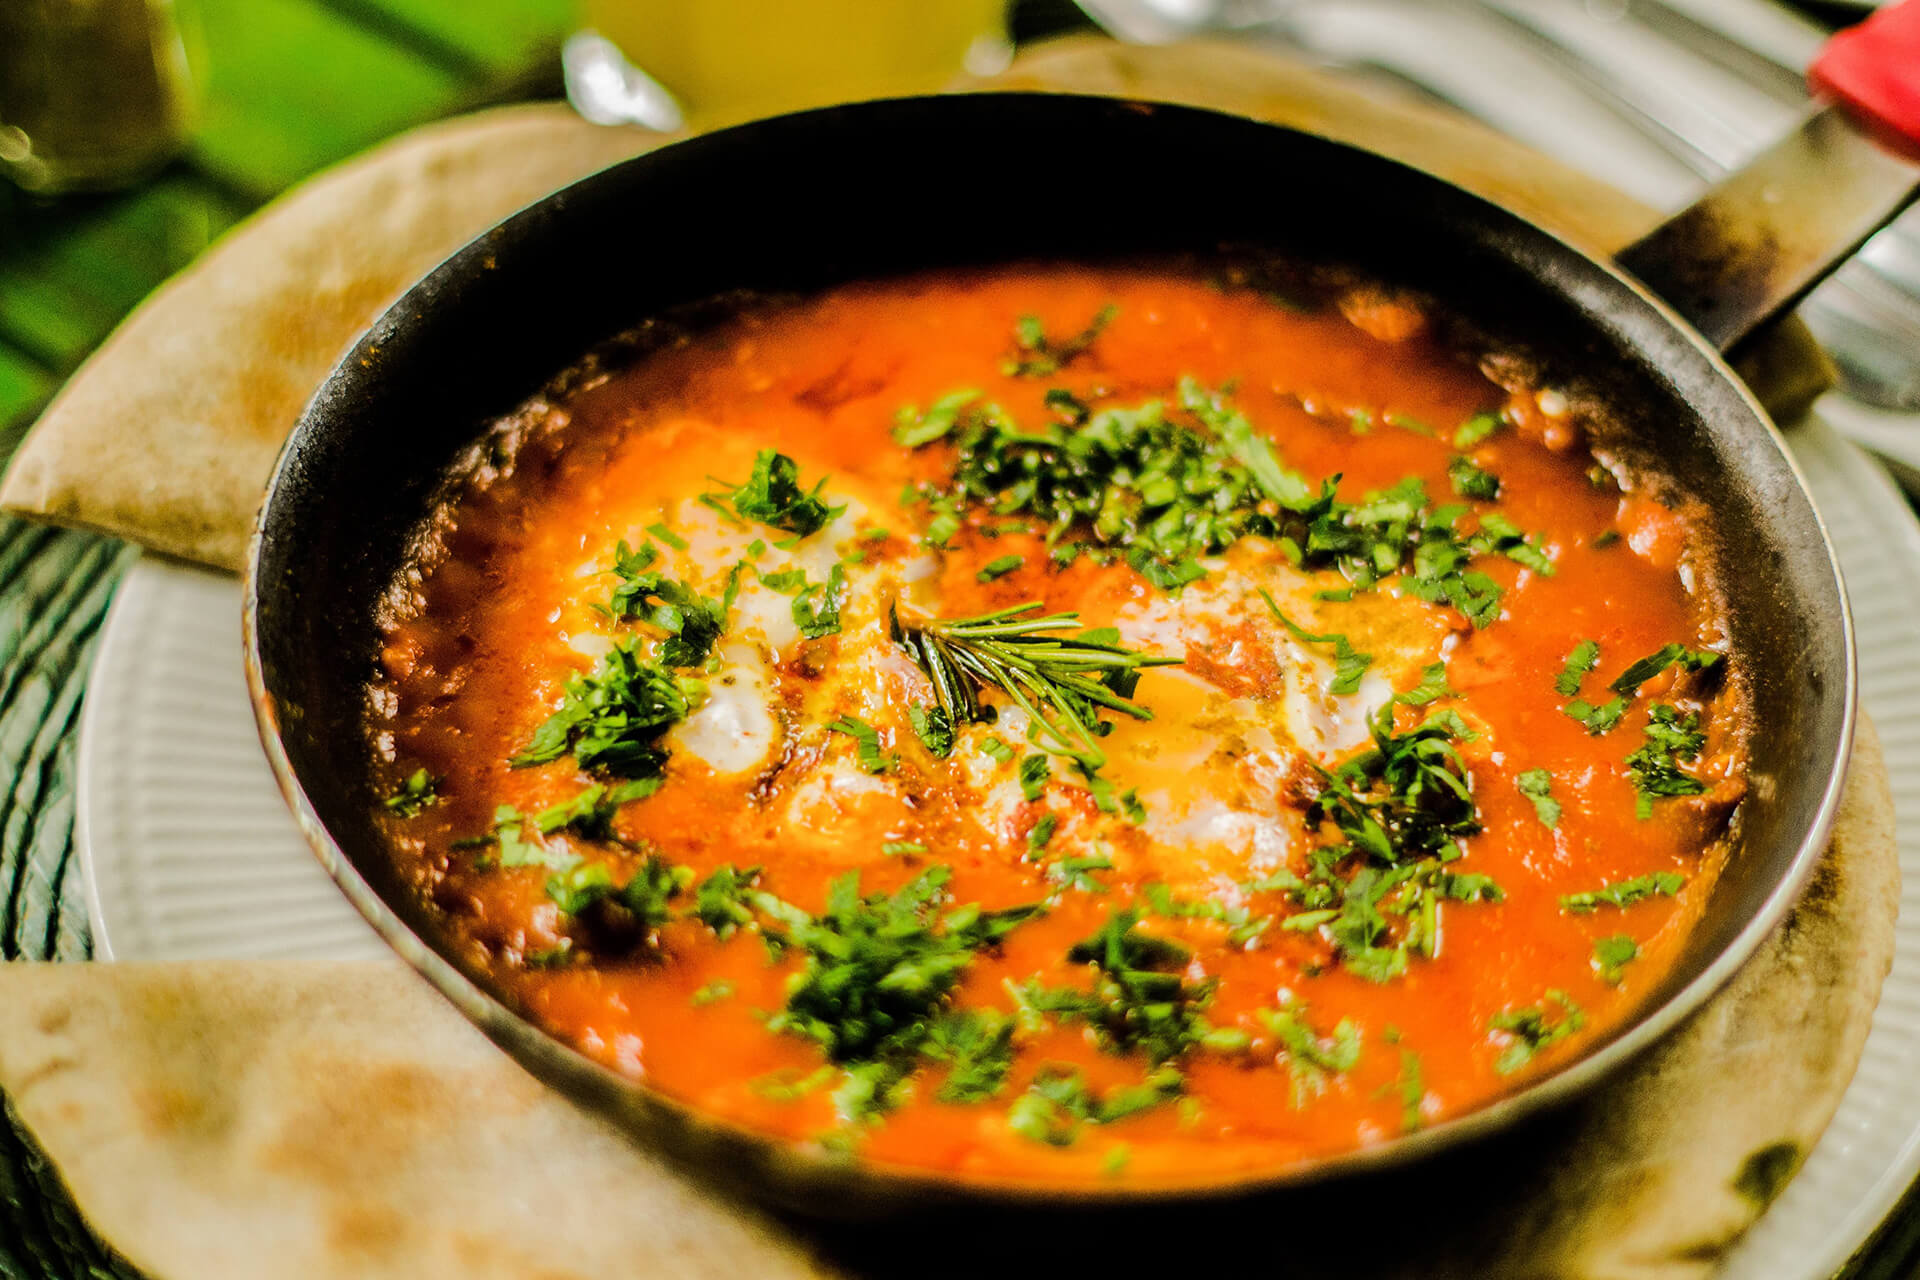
x,y
189,852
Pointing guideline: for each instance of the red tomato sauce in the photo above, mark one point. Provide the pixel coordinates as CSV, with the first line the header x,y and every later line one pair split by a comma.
x,y
1226,775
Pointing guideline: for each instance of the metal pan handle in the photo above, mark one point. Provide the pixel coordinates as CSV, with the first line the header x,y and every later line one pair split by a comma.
x,y
1758,240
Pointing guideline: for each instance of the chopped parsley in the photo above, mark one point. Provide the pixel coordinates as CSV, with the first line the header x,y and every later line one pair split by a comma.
x,y
1537,786
591,812
977,1046
878,970
1612,955
1408,797
1597,719
1583,658
1038,356
1412,1088
902,848
934,727
1625,893
1469,481
1077,873
816,610
911,428
867,738
1311,1058
772,496
1475,430
1349,665
1629,681
999,750
1034,772
1671,738
711,993
784,581
646,896
1058,1103
724,902
667,536
1041,832
1603,717
612,717
1139,999
418,791
999,567
1243,926
1528,1030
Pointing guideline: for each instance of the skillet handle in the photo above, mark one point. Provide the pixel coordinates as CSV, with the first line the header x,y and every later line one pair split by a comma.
x,y
1760,238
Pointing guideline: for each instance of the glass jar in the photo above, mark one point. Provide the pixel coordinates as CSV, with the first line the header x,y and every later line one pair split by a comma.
x,y
94,94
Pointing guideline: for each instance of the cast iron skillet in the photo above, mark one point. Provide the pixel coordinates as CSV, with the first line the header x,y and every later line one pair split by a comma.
x,y
802,202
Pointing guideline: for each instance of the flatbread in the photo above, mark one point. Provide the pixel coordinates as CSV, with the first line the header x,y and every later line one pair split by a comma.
x,y
308,1120
167,434
219,1120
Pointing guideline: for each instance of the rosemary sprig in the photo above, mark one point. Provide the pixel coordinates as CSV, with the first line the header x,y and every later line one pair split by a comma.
x,y
1062,682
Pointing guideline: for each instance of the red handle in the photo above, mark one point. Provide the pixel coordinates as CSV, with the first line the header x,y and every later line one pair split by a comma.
x,y
1874,71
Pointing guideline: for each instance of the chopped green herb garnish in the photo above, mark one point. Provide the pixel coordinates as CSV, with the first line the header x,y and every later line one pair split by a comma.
x,y
1597,719
997,749
878,968
1034,772
933,727
1653,664
1041,832
1077,873
646,896
418,791
1528,1031
1537,786
612,717
1061,682
999,567
1412,1088
1469,481
1058,1102
723,902
1243,926
1625,893
1349,665
1039,356
772,496
1583,658
1138,1000
712,993
1671,738
784,581
591,812
1612,955
668,536
1605,539
872,758
1474,430
692,621
977,1045
1311,1058
911,428
816,610
902,848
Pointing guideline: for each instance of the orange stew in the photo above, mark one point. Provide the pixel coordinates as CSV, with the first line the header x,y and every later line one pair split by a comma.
x,y
1368,746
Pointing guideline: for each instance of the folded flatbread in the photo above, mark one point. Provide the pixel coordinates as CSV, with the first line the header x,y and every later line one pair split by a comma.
x,y
342,1122
167,434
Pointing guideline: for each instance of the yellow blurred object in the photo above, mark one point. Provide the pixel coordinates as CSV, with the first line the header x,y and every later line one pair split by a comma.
x,y
728,60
